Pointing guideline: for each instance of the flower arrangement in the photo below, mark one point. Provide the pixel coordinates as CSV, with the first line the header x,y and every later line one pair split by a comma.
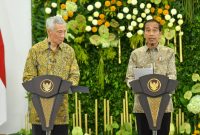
x,y
193,96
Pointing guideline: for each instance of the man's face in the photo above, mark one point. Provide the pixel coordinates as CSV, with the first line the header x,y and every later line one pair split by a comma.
x,y
58,34
152,34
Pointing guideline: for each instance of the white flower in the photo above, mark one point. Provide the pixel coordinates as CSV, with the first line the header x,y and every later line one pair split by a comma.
x,y
179,16
96,14
188,95
178,28
147,11
125,9
172,20
167,17
181,33
120,15
47,10
53,5
129,1
129,34
94,22
135,11
180,22
128,16
173,11
97,4
170,25
139,19
90,18
133,17
140,32
141,25
88,28
90,7
133,23
122,28
194,104
142,5
134,2
149,17
149,5
143,15
130,28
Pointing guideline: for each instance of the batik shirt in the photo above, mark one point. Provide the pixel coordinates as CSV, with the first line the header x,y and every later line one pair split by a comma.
x,y
42,60
161,59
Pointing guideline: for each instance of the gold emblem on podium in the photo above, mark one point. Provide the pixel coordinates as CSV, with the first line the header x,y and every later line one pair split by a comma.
x,y
154,85
46,85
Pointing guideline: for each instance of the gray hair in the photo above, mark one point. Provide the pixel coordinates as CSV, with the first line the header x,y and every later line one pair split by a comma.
x,y
51,21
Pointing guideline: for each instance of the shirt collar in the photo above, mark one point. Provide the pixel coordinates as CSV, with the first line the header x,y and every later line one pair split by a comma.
x,y
46,45
157,48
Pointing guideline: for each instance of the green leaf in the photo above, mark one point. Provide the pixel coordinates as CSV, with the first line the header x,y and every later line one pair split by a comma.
x,y
95,40
195,77
196,88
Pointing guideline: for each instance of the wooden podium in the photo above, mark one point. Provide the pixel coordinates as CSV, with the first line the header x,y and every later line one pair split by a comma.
x,y
154,90
47,95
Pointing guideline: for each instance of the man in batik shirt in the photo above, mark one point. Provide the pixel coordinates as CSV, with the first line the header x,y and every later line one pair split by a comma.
x,y
162,60
52,57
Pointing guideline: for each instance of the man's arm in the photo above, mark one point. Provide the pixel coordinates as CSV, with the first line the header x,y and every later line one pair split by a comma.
x,y
74,74
30,70
171,73
130,70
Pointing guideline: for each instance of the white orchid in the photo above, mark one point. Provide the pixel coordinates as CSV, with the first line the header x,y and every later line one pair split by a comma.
x,y
133,17
97,4
178,28
140,32
128,16
139,19
129,34
142,5
96,14
143,15
172,20
88,28
180,22
149,17
134,2
135,11
179,16
141,25
90,18
94,22
147,11
181,33
170,24
149,5
53,5
122,28
173,11
48,10
130,28
90,7
125,9
167,17
120,15
133,23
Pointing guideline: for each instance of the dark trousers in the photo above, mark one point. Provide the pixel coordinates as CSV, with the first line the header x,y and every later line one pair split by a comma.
x,y
143,126
57,130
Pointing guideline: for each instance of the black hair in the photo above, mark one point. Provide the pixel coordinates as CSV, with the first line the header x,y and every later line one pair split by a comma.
x,y
153,20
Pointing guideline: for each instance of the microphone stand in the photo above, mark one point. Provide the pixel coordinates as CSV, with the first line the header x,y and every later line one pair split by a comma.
x,y
48,132
154,132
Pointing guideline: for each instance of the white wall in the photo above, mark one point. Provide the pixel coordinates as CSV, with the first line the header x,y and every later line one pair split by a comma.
x,y
15,25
